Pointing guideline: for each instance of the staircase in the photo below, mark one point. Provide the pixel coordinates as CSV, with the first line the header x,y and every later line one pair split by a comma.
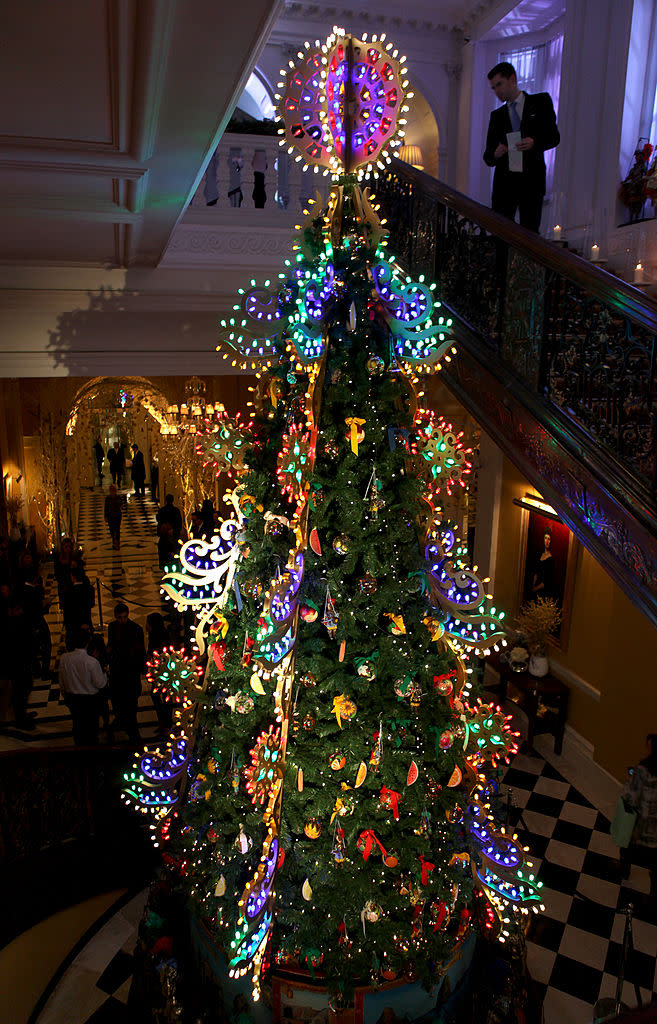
x,y
556,360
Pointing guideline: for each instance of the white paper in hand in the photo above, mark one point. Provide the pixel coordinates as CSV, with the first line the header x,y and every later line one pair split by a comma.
x,y
515,155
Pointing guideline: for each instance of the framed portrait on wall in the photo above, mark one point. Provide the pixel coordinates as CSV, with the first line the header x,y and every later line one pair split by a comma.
x,y
547,567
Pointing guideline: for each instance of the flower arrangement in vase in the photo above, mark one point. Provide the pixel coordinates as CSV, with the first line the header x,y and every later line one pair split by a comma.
x,y
537,620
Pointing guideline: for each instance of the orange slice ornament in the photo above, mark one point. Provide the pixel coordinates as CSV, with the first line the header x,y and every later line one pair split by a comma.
x,y
362,773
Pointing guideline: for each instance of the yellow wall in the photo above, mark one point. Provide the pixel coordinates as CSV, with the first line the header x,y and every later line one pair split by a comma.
x,y
611,646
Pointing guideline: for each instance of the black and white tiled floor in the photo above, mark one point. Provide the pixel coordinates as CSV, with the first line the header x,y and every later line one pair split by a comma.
x,y
565,803
131,575
573,948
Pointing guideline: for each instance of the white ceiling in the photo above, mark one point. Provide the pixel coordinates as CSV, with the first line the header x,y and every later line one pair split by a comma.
x,y
110,109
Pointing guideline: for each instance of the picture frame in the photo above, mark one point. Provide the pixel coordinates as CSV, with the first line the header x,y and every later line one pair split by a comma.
x,y
548,558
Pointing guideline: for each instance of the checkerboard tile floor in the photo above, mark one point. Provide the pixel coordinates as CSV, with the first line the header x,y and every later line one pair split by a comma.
x,y
573,948
131,575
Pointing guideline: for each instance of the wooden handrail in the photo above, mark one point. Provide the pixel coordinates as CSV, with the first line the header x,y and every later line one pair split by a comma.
x,y
627,299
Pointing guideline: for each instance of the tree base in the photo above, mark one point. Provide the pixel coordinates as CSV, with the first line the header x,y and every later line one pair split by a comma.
x,y
292,994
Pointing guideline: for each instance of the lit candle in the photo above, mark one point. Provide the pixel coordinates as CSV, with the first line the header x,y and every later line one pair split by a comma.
x,y
556,232
595,253
638,274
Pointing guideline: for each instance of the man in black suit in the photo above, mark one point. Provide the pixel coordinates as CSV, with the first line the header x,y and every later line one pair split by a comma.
x,y
533,116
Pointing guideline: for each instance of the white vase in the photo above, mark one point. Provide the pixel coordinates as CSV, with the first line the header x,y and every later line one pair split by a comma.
x,y
538,665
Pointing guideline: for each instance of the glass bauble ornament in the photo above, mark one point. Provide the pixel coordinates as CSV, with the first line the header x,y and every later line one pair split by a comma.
x,y
331,449
308,680
375,366
367,584
313,828
367,670
337,760
342,544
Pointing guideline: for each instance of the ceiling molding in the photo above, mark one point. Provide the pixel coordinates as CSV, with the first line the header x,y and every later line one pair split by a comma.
x,y
154,33
81,161
19,207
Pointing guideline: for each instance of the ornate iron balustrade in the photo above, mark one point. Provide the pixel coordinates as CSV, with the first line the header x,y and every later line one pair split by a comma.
x,y
557,362
576,335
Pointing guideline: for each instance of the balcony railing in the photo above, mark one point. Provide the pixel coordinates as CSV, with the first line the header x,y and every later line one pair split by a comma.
x,y
562,368
576,335
229,178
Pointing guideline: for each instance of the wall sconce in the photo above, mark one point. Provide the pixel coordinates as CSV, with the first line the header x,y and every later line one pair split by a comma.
x,y
534,503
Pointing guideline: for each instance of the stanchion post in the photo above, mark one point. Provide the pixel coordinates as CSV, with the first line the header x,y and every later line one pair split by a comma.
x,y
100,603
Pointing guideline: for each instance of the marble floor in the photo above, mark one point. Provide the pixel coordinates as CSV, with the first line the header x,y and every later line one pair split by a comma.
x,y
561,806
131,575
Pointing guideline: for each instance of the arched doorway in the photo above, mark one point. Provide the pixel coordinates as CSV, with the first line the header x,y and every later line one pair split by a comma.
x,y
124,410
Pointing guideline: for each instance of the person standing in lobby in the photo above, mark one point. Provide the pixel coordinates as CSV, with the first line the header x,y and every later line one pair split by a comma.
x,y
82,683
126,653
138,471
528,124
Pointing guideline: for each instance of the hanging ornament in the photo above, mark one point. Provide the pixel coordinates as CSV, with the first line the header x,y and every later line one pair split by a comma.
x,y
306,891
234,772
367,670
331,449
308,680
368,585
390,798
455,777
240,702
377,751
361,775
308,611
435,627
415,694
275,528
397,626
336,376
446,739
438,915
413,774
444,684
375,366
343,708
300,780
371,913
373,495
220,887
213,764
330,618
431,788
247,653
342,544
391,860
337,760
355,434
454,814
338,850
352,318
243,843
313,828
402,686
308,723
314,542
256,684
316,496
251,588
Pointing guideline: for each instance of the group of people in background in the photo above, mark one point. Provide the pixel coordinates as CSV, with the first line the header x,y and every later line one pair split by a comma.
x,y
116,457
26,642
94,675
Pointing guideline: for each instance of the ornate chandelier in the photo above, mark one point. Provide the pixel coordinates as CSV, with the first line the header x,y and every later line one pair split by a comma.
x,y
190,415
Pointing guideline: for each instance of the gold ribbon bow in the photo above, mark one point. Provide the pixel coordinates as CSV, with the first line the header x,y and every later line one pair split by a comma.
x,y
356,435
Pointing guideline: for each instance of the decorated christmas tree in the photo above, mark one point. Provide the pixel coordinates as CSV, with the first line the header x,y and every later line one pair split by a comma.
x,y
337,814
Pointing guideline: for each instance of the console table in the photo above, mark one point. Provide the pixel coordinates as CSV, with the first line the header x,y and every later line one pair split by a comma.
x,y
526,691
